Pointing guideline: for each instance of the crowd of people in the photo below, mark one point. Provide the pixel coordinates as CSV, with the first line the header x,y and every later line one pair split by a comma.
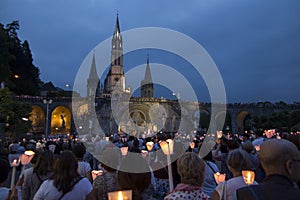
x,y
64,168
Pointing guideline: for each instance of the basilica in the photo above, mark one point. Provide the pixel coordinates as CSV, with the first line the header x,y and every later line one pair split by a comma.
x,y
118,110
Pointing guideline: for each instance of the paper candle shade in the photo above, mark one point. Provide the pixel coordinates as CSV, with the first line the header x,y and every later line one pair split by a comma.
x,y
124,151
120,195
248,176
219,177
14,160
96,173
167,146
149,145
220,134
26,157
144,153
192,145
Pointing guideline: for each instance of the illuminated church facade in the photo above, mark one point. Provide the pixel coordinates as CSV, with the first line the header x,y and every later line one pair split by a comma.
x,y
138,113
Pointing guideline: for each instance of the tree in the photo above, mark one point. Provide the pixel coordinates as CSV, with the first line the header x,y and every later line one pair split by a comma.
x,y
282,120
13,113
16,63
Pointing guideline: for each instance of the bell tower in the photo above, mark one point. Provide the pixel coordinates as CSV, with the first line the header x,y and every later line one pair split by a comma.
x,y
115,79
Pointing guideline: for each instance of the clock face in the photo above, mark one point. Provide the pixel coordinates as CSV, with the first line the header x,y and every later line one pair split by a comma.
x,y
114,46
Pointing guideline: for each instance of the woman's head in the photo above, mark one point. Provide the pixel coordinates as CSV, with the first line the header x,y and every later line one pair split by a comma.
x,y
239,160
79,150
65,170
248,147
44,163
191,169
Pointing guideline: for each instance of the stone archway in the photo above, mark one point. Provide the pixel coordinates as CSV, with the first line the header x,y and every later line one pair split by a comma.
x,y
37,117
227,123
240,120
60,120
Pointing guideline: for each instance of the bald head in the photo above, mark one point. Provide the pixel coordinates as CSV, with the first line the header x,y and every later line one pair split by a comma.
x,y
275,154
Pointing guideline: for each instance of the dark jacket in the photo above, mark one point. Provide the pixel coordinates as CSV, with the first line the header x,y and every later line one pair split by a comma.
x,y
273,187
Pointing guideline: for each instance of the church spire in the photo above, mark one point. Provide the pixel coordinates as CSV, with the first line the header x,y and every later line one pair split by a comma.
x,y
115,78
148,77
117,36
147,89
93,80
93,71
117,26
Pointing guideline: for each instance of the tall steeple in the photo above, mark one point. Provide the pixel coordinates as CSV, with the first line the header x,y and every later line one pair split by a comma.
x,y
93,81
115,78
147,89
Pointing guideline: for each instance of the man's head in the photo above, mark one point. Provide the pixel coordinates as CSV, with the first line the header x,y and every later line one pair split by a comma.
x,y
280,157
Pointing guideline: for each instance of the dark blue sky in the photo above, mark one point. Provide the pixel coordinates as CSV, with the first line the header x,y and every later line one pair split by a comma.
x,y
255,44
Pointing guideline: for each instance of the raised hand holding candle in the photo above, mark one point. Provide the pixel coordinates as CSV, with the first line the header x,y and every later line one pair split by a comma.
x,y
14,160
96,173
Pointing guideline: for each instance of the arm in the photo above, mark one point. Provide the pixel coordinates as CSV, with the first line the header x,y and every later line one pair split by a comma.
x,y
26,187
215,196
215,154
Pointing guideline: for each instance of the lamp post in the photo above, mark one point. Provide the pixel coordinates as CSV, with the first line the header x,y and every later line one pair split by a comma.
x,y
47,102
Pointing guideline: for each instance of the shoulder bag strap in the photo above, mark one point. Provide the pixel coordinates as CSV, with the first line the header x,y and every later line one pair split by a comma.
x,y
210,167
70,187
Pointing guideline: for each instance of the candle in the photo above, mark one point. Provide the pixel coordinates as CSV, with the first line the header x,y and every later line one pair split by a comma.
x,y
149,145
144,153
96,173
26,157
120,195
14,163
257,148
220,134
124,151
167,148
219,177
192,145
248,176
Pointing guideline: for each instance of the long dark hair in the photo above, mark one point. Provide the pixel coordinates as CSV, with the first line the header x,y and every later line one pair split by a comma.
x,y
44,164
65,172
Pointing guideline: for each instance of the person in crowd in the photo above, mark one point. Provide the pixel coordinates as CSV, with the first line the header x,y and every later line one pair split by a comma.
x,y
191,169
134,174
107,182
35,176
237,161
161,176
259,138
281,161
211,168
230,145
66,183
6,193
4,166
135,148
250,149
84,168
